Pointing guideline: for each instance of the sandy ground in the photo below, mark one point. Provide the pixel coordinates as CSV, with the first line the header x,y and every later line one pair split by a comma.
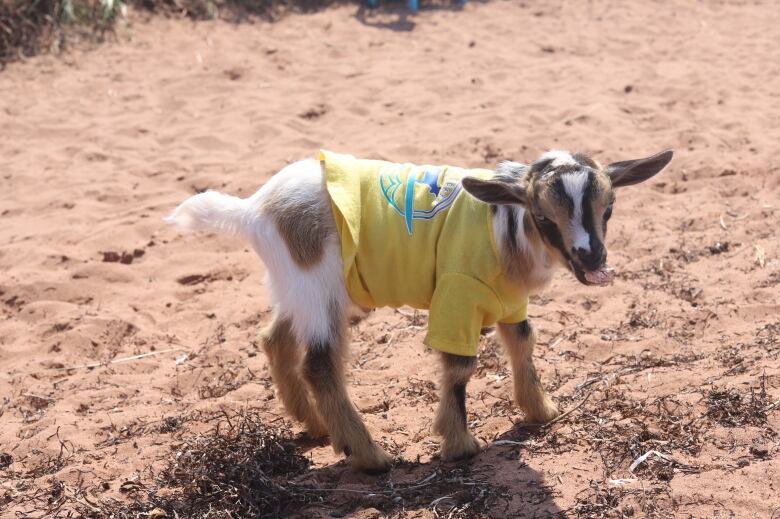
x,y
97,146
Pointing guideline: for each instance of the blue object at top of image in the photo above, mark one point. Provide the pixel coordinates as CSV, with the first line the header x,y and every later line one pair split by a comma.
x,y
414,5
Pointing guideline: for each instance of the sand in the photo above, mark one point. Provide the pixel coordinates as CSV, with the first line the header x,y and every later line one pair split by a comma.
x,y
99,144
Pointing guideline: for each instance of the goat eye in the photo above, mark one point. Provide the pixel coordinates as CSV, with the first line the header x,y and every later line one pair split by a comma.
x,y
542,219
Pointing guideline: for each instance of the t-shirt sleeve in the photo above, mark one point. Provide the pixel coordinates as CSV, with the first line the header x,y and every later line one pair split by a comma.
x,y
460,307
516,313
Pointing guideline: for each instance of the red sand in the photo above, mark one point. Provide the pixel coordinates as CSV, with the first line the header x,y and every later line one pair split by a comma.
x,y
98,146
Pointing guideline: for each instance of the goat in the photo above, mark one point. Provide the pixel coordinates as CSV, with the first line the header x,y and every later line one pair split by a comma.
x,y
488,249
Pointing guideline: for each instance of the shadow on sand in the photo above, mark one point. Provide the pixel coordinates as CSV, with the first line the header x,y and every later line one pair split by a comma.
x,y
495,483
395,16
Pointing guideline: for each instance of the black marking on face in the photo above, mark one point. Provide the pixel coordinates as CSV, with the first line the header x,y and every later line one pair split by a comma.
x,y
587,208
547,228
550,234
561,196
459,392
593,259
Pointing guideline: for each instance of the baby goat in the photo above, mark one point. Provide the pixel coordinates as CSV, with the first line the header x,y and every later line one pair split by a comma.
x,y
344,232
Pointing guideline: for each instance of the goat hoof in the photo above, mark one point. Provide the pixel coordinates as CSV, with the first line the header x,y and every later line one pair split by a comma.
x,y
374,462
545,413
316,429
461,449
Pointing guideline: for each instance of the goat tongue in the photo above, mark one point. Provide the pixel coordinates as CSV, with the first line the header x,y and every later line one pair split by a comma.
x,y
601,276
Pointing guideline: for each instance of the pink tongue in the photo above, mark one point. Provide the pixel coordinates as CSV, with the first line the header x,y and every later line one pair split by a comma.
x,y
601,276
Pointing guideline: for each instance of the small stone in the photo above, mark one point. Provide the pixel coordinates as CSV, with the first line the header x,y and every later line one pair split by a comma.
x,y
759,451
111,257
666,474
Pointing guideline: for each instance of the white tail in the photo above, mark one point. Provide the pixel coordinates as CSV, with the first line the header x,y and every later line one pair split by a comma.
x,y
213,210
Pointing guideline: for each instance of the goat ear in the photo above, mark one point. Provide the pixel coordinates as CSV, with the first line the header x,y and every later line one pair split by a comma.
x,y
495,191
630,172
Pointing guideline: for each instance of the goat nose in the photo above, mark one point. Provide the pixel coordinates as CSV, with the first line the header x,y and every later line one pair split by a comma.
x,y
583,255
592,259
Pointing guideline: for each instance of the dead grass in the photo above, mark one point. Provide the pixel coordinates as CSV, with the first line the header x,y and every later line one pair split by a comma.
x,y
27,28
240,467
732,408
621,428
245,467
602,501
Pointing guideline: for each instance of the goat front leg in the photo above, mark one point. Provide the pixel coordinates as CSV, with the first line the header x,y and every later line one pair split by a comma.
x,y
519,340
323,369
458,443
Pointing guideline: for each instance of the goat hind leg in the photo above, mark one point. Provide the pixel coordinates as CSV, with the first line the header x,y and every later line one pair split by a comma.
x,y
283,352
324,371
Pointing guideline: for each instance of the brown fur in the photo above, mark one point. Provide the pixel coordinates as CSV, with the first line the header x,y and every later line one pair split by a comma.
x,y
323,369
304,226
530,396
285,362
450,423
546,203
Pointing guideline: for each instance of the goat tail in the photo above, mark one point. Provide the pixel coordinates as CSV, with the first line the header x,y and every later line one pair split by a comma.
x,y
215,211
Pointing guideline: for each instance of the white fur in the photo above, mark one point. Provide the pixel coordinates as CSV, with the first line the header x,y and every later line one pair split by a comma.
x,y
211,210
542,265
559,158
308,297
574,184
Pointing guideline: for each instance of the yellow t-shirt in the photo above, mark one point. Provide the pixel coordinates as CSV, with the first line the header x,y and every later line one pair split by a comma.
x,y
411,236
